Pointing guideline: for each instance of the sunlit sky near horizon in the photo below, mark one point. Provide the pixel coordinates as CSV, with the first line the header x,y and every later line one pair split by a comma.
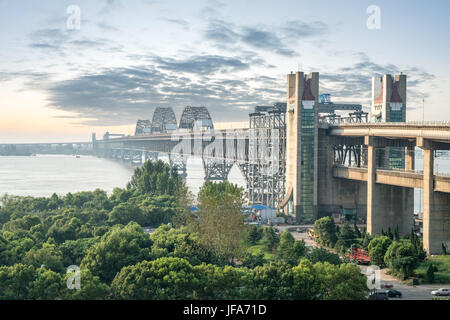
x,y
129,57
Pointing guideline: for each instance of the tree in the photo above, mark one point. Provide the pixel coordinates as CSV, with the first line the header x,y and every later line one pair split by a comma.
x,y
91,288
121,246
62,231
416,242
221,223
270,239
213,282
344,282
73,251
253,260
357,232
161,279
326,231
126,212
305,282
271,281
389,234
346,237
47,286
255,234
396,234
401,258
377,250
15,281
289,250
156,178
430,273
366,240
181,243
323,255
49,255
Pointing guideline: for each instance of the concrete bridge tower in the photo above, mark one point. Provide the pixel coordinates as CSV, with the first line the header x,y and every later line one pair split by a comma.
x,y
389,105
301,145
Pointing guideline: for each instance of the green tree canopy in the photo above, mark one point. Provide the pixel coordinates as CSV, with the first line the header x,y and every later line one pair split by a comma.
x,y
121,246
377,249
401,257
326,231
163,278
221,223
156,178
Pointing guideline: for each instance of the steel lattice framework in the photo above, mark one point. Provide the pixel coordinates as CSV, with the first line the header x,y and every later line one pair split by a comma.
x,y
163,119
193,115
265,172
143,127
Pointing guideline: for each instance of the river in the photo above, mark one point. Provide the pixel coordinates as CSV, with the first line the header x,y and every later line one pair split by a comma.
x,y
43,175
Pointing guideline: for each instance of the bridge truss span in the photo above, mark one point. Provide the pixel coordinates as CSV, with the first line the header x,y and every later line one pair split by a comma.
x,y
164,119
196,118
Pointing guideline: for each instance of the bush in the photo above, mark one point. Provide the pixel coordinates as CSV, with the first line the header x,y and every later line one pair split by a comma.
x,y
401,258
326,231
377,250
322,255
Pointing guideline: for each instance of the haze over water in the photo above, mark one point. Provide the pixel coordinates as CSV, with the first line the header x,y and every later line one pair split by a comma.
x,y
44,175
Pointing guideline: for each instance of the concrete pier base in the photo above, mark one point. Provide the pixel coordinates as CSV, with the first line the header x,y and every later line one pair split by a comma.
x,y
436,209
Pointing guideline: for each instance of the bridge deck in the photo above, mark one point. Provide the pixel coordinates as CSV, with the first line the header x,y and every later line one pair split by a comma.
x,y
408,179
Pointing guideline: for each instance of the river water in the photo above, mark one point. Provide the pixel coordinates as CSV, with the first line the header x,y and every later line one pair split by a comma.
x,y
43,175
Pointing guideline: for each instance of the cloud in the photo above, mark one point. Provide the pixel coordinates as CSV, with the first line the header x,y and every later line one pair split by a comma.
x,y
354,82
300,29
221,32
63,42
265,40
179,22
118,96
206,64
274,39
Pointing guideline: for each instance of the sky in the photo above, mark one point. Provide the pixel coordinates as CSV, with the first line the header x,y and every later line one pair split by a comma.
x,y
61,81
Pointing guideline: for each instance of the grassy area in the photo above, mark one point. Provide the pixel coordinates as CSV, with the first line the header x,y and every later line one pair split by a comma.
x,y
443,265
258,248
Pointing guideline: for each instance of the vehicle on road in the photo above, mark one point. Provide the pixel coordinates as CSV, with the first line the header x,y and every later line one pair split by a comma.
x,y
387,285
379,295
312,234
392,293
441,292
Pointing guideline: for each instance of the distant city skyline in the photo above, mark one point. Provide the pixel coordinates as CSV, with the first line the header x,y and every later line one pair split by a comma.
x,y
59,82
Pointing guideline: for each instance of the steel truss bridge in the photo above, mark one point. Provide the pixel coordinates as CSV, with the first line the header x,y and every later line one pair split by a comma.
x,y
258,150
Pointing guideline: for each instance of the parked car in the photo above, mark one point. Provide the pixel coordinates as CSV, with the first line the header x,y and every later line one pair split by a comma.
x,y
379,295
441,292
392,293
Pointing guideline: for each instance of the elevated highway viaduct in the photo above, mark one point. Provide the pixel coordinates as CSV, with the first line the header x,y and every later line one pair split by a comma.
x,y
356,171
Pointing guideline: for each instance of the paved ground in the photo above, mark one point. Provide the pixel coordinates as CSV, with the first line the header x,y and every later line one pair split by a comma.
x,y
300,232
421,292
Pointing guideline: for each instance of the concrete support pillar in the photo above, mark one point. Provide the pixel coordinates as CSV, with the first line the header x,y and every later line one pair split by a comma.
x,y
372,226
387,206
436,209
410,155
